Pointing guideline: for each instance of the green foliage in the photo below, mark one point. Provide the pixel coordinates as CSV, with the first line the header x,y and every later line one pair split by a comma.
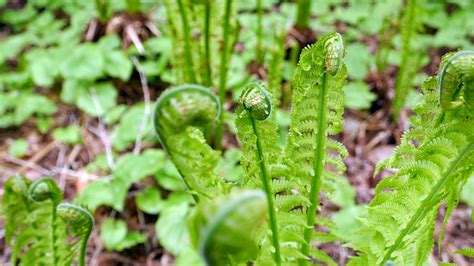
x,y
358,95
18,148
223,229
409,27
180,112
68,135
39,228
434,162
116,236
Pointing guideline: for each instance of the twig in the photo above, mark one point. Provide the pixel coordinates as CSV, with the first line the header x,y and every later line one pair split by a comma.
x,y
38,156
146,98
130,31
102,132
53,172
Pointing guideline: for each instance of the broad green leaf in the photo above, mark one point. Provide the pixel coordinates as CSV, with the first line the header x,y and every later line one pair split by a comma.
x,y
467,194
358,95
85,63
131,239
44,124
18,148
68,135
189,256
347,222
126,132
171,228
358,60
112,233
114,114
149,200
118,65
42,67
96,104
33,104
132,168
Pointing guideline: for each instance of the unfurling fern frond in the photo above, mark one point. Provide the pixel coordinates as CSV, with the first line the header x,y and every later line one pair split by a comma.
x,y
180,115
317,108
223,229
260,149
434,160
40,230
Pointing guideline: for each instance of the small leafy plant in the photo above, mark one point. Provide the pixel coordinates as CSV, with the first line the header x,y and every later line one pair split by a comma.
x,y
39,228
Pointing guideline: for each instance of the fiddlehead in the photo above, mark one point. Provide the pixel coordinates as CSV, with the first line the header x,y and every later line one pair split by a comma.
x,y
180,113
456,76
81,223
45,188
223,229
256,107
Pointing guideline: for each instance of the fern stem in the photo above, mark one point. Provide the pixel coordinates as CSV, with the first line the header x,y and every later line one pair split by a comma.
x,y
223,72
189,66
207,44
318,167
53,232
428,201
303,13
405,73
268,190
259,49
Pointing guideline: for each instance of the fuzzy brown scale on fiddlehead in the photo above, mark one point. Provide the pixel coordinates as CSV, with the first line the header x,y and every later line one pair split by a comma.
x,y
455,76
334,54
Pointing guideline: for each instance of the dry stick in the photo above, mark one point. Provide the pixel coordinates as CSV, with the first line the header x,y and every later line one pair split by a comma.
x,y
54,171
102,132
38,156
146,98
134,38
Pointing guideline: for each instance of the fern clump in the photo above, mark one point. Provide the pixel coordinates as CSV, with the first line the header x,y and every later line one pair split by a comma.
x,y
433,160
40,229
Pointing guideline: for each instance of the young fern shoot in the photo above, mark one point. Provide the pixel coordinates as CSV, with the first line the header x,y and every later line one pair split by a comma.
x,y
434,161
317,109
259,138
181,113
39,228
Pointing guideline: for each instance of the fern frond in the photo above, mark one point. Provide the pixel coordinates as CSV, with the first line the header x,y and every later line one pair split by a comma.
x,y
434,161
224,229
317,108
180,114
259,137
37,225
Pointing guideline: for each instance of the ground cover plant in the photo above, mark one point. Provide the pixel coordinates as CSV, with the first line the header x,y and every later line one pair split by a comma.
x,y
265,132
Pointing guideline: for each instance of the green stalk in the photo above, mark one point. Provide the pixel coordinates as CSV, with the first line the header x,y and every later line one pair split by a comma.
x,y
303,13
207,44
189,66
428,201
223,72
259,47
133,6
402,84
101,7
318,166
268,190
53,233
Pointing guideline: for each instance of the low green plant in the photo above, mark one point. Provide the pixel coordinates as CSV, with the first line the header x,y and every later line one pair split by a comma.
x,y
434,162
39,228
